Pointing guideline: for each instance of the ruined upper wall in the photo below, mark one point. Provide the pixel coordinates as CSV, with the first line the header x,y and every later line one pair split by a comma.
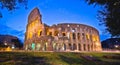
x,y
74,25
34,14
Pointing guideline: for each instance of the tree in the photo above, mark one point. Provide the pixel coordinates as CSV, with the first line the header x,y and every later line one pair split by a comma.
x,y
12,4
109,15
17,43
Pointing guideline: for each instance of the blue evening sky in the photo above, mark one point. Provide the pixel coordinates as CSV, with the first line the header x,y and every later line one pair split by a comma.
x,y
53,12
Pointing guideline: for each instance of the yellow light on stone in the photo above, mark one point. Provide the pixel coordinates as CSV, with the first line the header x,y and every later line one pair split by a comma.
x,y
39,32
32,24
93,37
97,44
8,49
36,21
56,33
30,35
47,33
47,30
88,37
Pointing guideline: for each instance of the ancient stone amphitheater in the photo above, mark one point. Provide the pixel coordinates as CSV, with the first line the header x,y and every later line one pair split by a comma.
x,y
59,37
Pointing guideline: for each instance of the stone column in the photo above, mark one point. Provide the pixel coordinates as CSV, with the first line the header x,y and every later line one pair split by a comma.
x,y
71,47
81,47
77,42
60,33
43,30
81,40
67,47
89,47
86,47
93,47
71,41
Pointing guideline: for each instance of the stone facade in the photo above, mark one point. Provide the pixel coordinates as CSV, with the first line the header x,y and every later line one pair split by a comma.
x,y
59,37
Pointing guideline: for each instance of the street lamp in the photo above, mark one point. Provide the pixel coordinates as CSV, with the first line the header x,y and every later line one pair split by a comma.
x,y
5,43
116,46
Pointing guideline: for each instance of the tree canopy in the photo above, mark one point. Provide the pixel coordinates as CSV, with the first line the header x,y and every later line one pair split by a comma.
x,y
109,15
12,4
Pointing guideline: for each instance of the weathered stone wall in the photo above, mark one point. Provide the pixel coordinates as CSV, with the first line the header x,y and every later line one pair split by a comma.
x,y
77,37
60,37
34,26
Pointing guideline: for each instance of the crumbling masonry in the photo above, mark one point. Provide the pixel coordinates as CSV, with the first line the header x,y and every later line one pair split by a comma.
x,y
59,37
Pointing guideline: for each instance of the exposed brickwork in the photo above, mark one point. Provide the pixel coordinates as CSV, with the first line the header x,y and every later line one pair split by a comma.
x,y
59,37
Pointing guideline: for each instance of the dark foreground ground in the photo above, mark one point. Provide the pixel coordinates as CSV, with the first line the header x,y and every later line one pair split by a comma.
x,y
59,58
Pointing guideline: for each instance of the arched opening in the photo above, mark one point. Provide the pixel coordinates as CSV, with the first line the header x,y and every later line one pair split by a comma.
x,y
38,47
57,47
50,33
46,45
44,48
78,36
74,36
74,47
33,46
29,47
70,46
26,47
63,34
40,33
54,46
83,36
64,47
92,47
56,33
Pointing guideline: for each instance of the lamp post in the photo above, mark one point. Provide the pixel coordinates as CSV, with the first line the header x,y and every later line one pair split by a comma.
x,y
5,43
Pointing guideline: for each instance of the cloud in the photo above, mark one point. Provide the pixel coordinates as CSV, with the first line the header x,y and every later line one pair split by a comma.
x,y
104,37
5,30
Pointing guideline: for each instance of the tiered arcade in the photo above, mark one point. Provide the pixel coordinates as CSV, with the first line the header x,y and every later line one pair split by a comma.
x,y
59,37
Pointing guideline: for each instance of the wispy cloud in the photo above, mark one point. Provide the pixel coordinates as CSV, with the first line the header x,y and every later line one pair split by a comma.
x,y
5,30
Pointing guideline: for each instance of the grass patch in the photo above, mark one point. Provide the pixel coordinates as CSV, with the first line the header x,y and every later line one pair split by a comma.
x,y
58,58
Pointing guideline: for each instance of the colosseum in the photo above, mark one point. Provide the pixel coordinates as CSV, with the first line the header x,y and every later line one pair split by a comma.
x,y
59,37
